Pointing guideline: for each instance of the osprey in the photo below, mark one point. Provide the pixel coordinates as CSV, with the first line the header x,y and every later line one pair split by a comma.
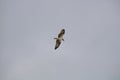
x,y
60,38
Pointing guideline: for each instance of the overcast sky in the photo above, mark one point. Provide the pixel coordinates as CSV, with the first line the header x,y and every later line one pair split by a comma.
x,y
91,50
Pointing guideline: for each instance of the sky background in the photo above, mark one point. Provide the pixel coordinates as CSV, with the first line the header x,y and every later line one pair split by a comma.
x,y
91,50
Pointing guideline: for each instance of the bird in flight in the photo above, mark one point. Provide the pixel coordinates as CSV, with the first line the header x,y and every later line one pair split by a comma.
x,y
60,38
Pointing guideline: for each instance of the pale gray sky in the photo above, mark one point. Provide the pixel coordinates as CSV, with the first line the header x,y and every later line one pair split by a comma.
x,y
91,50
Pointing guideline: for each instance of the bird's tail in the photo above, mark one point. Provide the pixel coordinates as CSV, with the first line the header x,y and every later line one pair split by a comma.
x,y
55,38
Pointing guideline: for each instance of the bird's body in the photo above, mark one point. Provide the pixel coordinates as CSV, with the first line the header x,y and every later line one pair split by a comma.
x,y
60,38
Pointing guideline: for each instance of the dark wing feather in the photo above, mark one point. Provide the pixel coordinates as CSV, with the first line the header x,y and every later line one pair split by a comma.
x,y
57,44
62,32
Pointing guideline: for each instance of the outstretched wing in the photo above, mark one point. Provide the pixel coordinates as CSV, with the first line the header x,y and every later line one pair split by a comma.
x,y
57,44
62,32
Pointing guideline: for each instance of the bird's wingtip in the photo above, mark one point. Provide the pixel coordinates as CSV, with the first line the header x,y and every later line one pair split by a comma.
x,y
55,48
